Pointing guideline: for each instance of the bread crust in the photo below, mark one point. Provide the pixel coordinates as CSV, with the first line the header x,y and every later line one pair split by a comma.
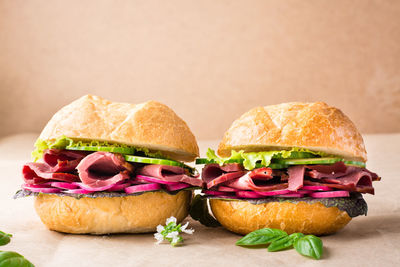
x,y
315,126
242,217
105,215
150,125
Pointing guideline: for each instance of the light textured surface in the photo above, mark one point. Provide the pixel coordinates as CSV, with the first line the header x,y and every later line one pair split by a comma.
x,y
210,61
366,241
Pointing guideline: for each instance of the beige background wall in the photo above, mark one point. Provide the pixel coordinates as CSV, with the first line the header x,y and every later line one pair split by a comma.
x,y
209,60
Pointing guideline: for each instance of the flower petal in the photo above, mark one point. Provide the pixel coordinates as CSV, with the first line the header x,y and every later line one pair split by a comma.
x,y
171,219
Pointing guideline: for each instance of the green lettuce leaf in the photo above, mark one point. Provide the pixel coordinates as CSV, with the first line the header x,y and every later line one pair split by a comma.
x,y
64,142
249,159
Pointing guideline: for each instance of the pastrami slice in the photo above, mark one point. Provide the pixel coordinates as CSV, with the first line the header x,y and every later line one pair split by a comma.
x,y
101,169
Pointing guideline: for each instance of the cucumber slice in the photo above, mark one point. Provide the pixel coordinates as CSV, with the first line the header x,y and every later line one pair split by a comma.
x,y
145,160
121,150
355,163
318,161
307,161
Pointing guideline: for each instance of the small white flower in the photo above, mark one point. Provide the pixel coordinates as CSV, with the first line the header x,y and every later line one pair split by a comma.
x,y
175,237
187,231
171,219
160,228
159,238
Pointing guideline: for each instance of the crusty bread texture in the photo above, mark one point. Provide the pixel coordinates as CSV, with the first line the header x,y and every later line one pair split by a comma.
x,y
243,217
315,126
106,215
149,125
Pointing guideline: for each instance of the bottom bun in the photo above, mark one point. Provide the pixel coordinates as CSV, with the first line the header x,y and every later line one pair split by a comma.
x,y
243,217
105,215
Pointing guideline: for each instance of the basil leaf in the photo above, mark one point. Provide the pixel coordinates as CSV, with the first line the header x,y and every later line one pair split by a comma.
x,y
13,259
310,246
280,244
261,237
296,236
199,212
285,242
4,238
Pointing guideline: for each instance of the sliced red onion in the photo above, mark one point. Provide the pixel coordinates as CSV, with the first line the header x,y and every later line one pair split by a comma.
x,y
44,185
42,190
153,179
77,191
119,187
142,188
248,194
176,186
316,188
215,193
305,192
227,189
274,193
94,189
64,185
292,195
330,194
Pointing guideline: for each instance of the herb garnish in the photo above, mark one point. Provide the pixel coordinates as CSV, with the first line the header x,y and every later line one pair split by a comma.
x,y
11,258
4,238
307,245
170,232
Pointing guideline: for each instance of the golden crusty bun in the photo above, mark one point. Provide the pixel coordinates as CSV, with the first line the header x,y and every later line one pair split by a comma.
x,y
242,217
150,125
105,215
314,126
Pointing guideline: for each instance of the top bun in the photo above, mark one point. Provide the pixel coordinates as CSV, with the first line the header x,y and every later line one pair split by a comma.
x,y
150,125
314,126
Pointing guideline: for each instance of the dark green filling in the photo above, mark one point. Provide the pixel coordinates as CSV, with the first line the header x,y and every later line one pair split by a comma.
x,y
27,193
354,205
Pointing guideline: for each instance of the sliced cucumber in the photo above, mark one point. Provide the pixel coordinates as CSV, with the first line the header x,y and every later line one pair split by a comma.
x,y
121,150
145,160
355,163
307,161
317,161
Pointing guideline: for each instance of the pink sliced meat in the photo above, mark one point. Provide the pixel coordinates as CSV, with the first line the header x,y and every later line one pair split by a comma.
x,y
169,173
246,183
224,178
357,178
296,177
57,166
53,156
212,171
35,173
103,168
329,169
261,174
351,187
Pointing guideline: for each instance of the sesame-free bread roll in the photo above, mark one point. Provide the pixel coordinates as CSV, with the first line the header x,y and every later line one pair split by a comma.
x,y
314,126
242,217
106,215
150,125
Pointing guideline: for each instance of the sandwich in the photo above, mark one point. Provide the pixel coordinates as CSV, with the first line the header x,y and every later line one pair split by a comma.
x,y
298,167
103,167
